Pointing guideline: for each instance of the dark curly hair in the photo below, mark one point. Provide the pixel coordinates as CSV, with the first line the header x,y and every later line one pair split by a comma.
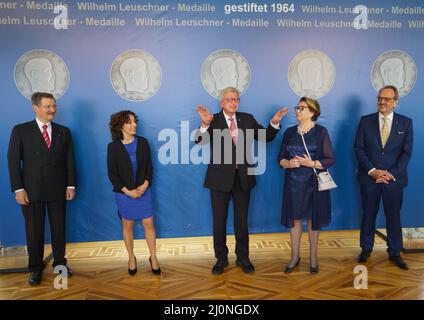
x,y
117,121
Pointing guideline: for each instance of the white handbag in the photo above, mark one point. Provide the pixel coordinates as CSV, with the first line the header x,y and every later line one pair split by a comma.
x,y
325,181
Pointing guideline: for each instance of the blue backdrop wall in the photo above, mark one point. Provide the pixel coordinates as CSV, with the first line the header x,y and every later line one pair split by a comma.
x,y
182,204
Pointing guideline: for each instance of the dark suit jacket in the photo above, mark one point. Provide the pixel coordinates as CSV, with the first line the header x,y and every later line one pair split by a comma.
x,y
120,168
43,173
395,155
220,176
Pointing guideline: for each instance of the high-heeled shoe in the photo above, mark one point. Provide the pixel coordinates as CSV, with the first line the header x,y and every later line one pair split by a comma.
x,y
289,269
313,270
154,271
133,271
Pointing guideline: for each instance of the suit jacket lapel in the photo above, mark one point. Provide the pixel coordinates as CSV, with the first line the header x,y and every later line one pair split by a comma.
x,y
55,135
394,129
222,122
239,122
125,153
376,125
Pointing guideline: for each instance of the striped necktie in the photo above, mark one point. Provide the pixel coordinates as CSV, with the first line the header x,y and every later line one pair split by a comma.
x,y
46,136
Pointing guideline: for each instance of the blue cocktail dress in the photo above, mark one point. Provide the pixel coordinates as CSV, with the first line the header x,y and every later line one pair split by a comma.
x,y
129,208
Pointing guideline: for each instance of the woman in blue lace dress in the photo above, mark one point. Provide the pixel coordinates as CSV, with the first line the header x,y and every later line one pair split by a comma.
x,y
130,171
301,198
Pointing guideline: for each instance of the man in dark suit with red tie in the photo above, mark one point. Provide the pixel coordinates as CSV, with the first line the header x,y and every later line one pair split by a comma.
x,y
383,148
42,175
227,178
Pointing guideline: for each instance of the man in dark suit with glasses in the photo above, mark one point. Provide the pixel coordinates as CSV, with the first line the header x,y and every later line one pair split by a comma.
x,y
228,175
383,148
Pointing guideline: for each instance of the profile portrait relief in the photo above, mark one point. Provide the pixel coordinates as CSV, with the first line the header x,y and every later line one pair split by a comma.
x,y
311,73
135,73
394,68
225,68
393,73
224,73
40,74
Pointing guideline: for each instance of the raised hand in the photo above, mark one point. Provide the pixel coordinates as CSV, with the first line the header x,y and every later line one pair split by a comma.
x,y
205,116
279,115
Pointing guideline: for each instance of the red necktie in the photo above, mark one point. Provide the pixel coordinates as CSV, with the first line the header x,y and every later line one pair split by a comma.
x,y
233,130
46,136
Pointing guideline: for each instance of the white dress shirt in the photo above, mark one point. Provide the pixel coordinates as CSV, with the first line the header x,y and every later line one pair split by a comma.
x,y
49,127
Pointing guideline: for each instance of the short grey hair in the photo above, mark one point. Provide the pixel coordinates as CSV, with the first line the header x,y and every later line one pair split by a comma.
x,y
228,89
395,90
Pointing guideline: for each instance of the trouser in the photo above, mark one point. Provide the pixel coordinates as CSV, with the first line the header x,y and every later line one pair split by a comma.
x,y
34,214
392,196
220,202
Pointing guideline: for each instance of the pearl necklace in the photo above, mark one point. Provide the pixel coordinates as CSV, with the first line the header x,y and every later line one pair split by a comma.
x,y
299,130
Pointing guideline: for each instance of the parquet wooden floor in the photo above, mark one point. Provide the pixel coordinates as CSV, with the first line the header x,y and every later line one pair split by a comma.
x,y
100,272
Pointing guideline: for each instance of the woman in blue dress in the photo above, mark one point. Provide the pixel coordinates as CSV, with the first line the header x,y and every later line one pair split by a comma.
x,y
130,170
301,198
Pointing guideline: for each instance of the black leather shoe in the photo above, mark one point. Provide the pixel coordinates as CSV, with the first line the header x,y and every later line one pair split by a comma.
x,y
219,266
363,256
35,278
314,270
399,262
133,271
289,269
245,265
154,271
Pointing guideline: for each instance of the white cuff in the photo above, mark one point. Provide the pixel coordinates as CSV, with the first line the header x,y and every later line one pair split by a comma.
x,y
275,126
203,129
369,172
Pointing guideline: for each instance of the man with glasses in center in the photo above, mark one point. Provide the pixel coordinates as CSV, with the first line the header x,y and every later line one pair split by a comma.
x,y
231,179
383,148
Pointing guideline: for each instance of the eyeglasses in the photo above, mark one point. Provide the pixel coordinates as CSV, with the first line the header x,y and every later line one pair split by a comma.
x,y
385,99
300,108
231,100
